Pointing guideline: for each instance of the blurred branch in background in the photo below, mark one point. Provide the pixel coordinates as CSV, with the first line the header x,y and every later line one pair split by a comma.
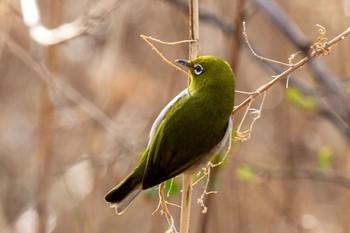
x,y
206,16
338,111
46,122
330,86
236,40
83,24
284,23
335,111
323,109
315,51
332,89
266,174
57,85
83,94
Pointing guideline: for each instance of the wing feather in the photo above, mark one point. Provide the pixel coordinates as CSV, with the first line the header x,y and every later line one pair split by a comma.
x,y
163,113
174,146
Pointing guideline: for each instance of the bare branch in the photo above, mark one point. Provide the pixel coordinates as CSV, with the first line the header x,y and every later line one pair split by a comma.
x,y
257,55
187,177
331,87
83,24
312,54
148,38
287,26
205,16
322,107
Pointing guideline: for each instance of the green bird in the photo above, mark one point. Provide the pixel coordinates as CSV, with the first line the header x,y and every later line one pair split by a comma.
x,y
189,131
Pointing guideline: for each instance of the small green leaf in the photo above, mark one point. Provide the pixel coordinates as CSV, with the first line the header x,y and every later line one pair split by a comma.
x,y
174,189
325,157
245,173
234,133
300,100
173,186
220,159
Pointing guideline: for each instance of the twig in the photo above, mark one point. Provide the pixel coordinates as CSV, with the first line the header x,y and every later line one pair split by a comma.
x,y
187,177
299,40
333,92
147,38
207,174
257,55
314,53
194,28
256,114
186,200
165,210
324,109
206,16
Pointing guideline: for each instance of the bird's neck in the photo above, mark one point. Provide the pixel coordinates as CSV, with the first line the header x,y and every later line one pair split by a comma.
x,y
219,98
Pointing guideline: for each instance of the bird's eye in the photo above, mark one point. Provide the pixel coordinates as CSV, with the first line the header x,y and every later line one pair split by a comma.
x,y
198,69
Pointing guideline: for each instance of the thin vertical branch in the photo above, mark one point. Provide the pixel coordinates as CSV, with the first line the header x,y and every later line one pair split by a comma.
x,y
43,156
194,28
45,128
187,177
236,40
57,34
186,203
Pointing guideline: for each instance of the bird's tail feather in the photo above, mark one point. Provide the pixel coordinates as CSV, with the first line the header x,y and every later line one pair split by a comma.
x,y
121,206
122,195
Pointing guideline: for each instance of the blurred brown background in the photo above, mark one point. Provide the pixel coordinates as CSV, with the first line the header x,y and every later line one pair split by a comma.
x,y
75,116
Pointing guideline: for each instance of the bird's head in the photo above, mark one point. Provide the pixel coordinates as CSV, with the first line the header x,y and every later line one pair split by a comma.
x,y
209,73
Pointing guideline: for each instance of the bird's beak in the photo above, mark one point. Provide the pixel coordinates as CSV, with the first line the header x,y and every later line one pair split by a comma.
x,y
183,62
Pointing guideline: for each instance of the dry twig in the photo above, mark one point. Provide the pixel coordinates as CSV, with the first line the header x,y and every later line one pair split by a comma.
x,y
148,38
187,178
322,49
165,210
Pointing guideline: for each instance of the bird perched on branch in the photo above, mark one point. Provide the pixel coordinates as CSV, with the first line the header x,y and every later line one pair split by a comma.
x,y
189,131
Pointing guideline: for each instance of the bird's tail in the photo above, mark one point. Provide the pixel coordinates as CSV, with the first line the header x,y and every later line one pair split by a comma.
x,y
122,195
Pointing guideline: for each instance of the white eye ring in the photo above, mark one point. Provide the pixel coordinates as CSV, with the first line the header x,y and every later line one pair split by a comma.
x,y
198,69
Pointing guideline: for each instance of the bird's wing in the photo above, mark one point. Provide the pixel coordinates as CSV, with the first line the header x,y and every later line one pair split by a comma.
x,y
174,145
224,145
163,113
